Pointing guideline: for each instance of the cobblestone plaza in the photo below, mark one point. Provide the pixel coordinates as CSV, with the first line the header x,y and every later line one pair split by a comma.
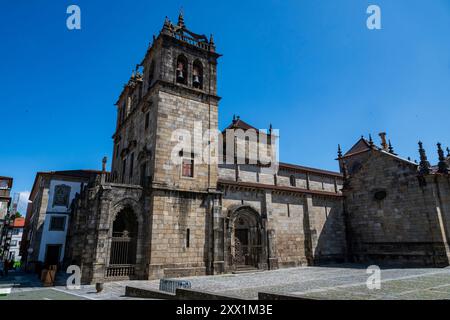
x,y
335,282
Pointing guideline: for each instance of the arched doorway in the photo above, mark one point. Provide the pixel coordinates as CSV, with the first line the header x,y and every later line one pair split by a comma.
x,y
246,239
122,258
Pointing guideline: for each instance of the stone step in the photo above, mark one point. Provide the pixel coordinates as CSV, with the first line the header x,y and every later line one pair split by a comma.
x,y
246,269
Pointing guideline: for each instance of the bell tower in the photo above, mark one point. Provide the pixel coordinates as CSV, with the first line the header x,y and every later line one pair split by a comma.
x,y
180,80
172,91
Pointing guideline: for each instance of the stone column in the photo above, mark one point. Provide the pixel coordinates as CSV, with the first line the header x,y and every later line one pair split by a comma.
x,y
218,224
269,239
310,229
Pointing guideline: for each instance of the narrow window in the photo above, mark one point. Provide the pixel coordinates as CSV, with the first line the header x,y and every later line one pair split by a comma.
x,y
188,236
151,72
131,166
57,223
288,210
143,174
188,168
124,167
292,181
147,120
117,151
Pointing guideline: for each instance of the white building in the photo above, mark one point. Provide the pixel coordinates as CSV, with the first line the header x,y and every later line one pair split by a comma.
x,y
16,239
49,215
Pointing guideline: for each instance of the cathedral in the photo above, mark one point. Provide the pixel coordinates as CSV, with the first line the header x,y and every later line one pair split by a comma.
x,y
163,211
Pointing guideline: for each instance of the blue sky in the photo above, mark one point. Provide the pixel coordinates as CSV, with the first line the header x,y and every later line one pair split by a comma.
x,y
311,68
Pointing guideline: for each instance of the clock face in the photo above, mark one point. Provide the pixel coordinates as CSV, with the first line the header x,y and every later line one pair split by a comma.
x,y
4,184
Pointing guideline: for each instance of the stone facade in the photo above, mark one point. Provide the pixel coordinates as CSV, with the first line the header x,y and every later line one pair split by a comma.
x,y
216,218
166,210
395,213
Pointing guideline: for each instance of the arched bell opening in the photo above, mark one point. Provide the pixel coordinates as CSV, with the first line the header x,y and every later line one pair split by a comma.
x,y
181,70
197,75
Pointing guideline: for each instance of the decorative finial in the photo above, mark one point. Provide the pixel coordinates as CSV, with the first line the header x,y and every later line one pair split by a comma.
x,y
270,127
211,39
409,158
181,18
391,148
370,141
234,118
442,165
345,175
104,160
424,166
166,22
339,152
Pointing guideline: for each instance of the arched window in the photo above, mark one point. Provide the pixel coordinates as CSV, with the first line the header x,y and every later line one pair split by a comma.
x,y
292,180
151,72
197,75
181,70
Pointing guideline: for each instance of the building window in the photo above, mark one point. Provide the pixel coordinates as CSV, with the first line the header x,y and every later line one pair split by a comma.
x,y
13,243
197,75
181,71
143,174
147,120
188,237
124,168
131,166
62,194
16,231
57,223
188,168
151,72
292,181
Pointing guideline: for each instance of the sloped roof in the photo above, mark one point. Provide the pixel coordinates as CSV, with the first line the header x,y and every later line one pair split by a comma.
x,y
19,222
360,146
240,124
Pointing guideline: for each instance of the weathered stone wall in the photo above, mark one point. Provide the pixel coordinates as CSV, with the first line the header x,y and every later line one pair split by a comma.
x,y
177,113
306,229
404,226
173,214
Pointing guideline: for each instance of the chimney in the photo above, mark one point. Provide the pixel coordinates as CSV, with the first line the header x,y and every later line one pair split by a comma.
x,y
384,144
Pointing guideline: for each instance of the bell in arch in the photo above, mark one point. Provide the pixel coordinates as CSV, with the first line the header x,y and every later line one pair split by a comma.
x,y
196,78
180,75
196,81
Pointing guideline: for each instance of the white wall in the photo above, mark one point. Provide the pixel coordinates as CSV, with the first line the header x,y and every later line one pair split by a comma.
x,y
56,237
16,248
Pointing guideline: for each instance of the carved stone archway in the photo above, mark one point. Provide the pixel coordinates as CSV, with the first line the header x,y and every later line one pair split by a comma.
x,y
246,239
125,241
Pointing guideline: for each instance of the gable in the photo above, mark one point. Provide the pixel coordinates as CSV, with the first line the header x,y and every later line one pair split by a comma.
x,y
360,146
